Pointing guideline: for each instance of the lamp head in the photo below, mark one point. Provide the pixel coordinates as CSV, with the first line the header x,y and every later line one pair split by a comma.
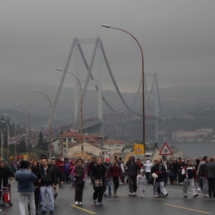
x,y
105,26
17,105
59,69
5,114
34,90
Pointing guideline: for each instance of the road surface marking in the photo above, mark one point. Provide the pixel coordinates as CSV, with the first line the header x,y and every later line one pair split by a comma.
x,y
187,209
177,190
78,207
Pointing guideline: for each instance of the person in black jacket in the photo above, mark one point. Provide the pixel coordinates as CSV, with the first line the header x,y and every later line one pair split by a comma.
x,y
5,174
59,178
98,173
35,170
48,178
132,170
159,174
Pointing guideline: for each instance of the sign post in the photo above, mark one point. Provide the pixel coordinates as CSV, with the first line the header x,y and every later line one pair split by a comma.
x,y
165,150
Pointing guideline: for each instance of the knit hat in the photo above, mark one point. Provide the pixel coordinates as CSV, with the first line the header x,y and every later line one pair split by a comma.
x,y
142,170
107,159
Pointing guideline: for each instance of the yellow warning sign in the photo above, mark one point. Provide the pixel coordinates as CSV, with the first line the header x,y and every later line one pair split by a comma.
x,y
138,149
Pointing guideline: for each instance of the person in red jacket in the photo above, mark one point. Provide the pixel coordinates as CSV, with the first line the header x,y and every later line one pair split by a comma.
x,y
60,165
115,172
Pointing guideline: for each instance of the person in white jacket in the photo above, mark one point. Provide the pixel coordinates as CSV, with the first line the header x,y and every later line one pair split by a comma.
x,y
148,167
141,182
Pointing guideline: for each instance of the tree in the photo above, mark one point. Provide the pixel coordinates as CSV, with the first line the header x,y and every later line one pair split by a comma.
x,y
22,146
41,143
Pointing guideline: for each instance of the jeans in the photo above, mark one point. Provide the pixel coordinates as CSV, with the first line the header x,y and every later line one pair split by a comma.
x,y
132,183
188,182
22,198
115,183
49,191
107,184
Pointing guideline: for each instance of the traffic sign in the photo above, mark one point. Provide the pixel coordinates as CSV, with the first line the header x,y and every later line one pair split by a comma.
x,y
138,149
165,150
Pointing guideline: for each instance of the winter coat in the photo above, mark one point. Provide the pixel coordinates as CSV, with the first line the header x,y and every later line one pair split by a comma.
x,y
132,169
160,170
57,173
107,166
148,166
5,173
210,169
35,171
98,171
141,180
60,165
189,172
75,174
25,180
49,178
114,171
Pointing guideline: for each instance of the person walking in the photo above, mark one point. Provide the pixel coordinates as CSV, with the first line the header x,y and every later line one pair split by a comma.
x,y
5,174
107,165
26,188
189,172
159,174
202,176
141,182
60,165
115,172
59,179
132,170
66,170
79,174
35,170
98,174
48,182
148,167
210,172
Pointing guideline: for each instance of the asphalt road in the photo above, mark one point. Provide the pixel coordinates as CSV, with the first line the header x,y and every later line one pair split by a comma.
x,y
123,204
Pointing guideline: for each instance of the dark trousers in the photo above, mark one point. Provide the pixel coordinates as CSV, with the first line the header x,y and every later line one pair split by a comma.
x,y
148,176
211,182
79,192
115,183
132,181
98,193
36,199
66,177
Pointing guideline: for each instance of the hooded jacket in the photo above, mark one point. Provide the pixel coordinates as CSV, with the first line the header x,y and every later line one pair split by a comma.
x,y
5,173
114,171
132,169
148,166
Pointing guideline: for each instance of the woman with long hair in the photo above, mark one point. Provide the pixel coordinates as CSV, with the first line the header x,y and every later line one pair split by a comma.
x,y
35,170
79,180
98,174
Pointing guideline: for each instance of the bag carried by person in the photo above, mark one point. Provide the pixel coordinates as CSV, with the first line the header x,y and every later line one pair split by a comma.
x,y
98,183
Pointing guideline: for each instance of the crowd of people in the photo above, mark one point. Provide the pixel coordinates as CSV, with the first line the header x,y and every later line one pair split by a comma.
x,y
40,179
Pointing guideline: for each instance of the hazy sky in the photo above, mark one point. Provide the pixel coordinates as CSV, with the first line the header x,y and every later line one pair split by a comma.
x,y
178,39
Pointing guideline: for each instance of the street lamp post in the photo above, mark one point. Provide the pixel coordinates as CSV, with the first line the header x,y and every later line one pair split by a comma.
x,y
1,144
15,131
29,141
81,111
50,120
143,91
8,137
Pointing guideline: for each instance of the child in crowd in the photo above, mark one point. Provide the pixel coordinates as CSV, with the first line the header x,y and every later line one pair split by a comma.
x,y
6,194
141,182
